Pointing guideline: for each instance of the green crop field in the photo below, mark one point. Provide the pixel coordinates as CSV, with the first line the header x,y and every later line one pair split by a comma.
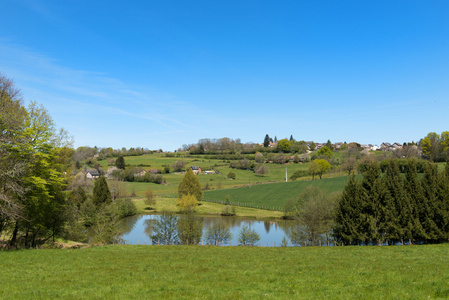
x,y
275,194
177,272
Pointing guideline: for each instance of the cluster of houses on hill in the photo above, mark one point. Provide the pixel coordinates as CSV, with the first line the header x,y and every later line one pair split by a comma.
x,y
370,147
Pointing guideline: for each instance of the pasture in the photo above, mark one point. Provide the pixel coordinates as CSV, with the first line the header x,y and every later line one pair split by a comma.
x,y
173,272
275,194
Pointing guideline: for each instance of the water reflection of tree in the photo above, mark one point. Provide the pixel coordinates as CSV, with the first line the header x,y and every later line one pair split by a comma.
x,y
228,221
148,227
190,228
127,224
165,229
218,233
267,225
299,235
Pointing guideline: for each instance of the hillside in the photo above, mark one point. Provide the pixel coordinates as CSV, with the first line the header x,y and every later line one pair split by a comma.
x,y
274,194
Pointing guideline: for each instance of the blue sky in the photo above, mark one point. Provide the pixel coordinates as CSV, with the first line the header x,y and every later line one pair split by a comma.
x,y
160,74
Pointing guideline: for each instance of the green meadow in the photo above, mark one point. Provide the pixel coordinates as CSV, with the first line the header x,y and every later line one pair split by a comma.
x,y
142,272
274,194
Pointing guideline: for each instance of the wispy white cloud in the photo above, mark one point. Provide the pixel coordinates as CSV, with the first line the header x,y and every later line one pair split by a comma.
x,y
75,94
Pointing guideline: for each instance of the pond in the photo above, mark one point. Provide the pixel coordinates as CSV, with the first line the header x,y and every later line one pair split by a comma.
x,y
138,229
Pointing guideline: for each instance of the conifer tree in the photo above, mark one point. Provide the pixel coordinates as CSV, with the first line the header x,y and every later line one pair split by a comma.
x,y
101,193
397,210
120,162
414,191
266,141
190,184
347,228
373,193
443,196
430,204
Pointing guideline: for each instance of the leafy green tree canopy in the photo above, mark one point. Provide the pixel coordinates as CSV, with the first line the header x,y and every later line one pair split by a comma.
x,y
190,184
325,150
284,145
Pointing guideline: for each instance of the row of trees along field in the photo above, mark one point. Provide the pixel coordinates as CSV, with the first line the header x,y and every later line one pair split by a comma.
x,y
394,208
38,199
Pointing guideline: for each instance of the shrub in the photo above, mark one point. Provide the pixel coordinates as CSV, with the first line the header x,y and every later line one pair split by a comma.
x,y
298,174
150,199
231,175
261,170
178,165
228,210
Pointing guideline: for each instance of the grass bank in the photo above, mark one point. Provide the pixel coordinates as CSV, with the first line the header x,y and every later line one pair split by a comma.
x,y
116,272
206,208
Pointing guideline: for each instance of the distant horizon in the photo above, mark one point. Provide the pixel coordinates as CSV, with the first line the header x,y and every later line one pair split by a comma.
x,y
159,75
155,149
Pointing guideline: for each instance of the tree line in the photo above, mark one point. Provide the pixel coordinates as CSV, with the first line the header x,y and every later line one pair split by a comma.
x,y
39,199
393,208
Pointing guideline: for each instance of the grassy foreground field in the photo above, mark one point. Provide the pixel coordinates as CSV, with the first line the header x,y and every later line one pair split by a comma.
x,y
116,272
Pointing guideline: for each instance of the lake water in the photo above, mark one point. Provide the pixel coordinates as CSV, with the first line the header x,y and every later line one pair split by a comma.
x,y
137,229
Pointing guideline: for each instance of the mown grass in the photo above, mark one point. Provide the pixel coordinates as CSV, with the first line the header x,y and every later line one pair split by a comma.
x,y
206,208
116,272
275,194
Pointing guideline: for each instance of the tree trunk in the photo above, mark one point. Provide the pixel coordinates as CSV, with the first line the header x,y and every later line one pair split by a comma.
x,y
12,242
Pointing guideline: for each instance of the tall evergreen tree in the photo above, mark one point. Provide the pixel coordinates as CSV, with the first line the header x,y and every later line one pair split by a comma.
x,y
414,190
397,210
347,228
120,162
266,141
101,193
431,210
373,193
443,196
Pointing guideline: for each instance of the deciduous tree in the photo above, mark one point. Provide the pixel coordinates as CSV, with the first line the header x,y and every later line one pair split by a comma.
x,y
190,184
187,203
284,145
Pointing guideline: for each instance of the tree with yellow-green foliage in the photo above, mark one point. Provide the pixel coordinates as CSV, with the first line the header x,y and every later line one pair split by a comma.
x,y
187,203
318,167
190,184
